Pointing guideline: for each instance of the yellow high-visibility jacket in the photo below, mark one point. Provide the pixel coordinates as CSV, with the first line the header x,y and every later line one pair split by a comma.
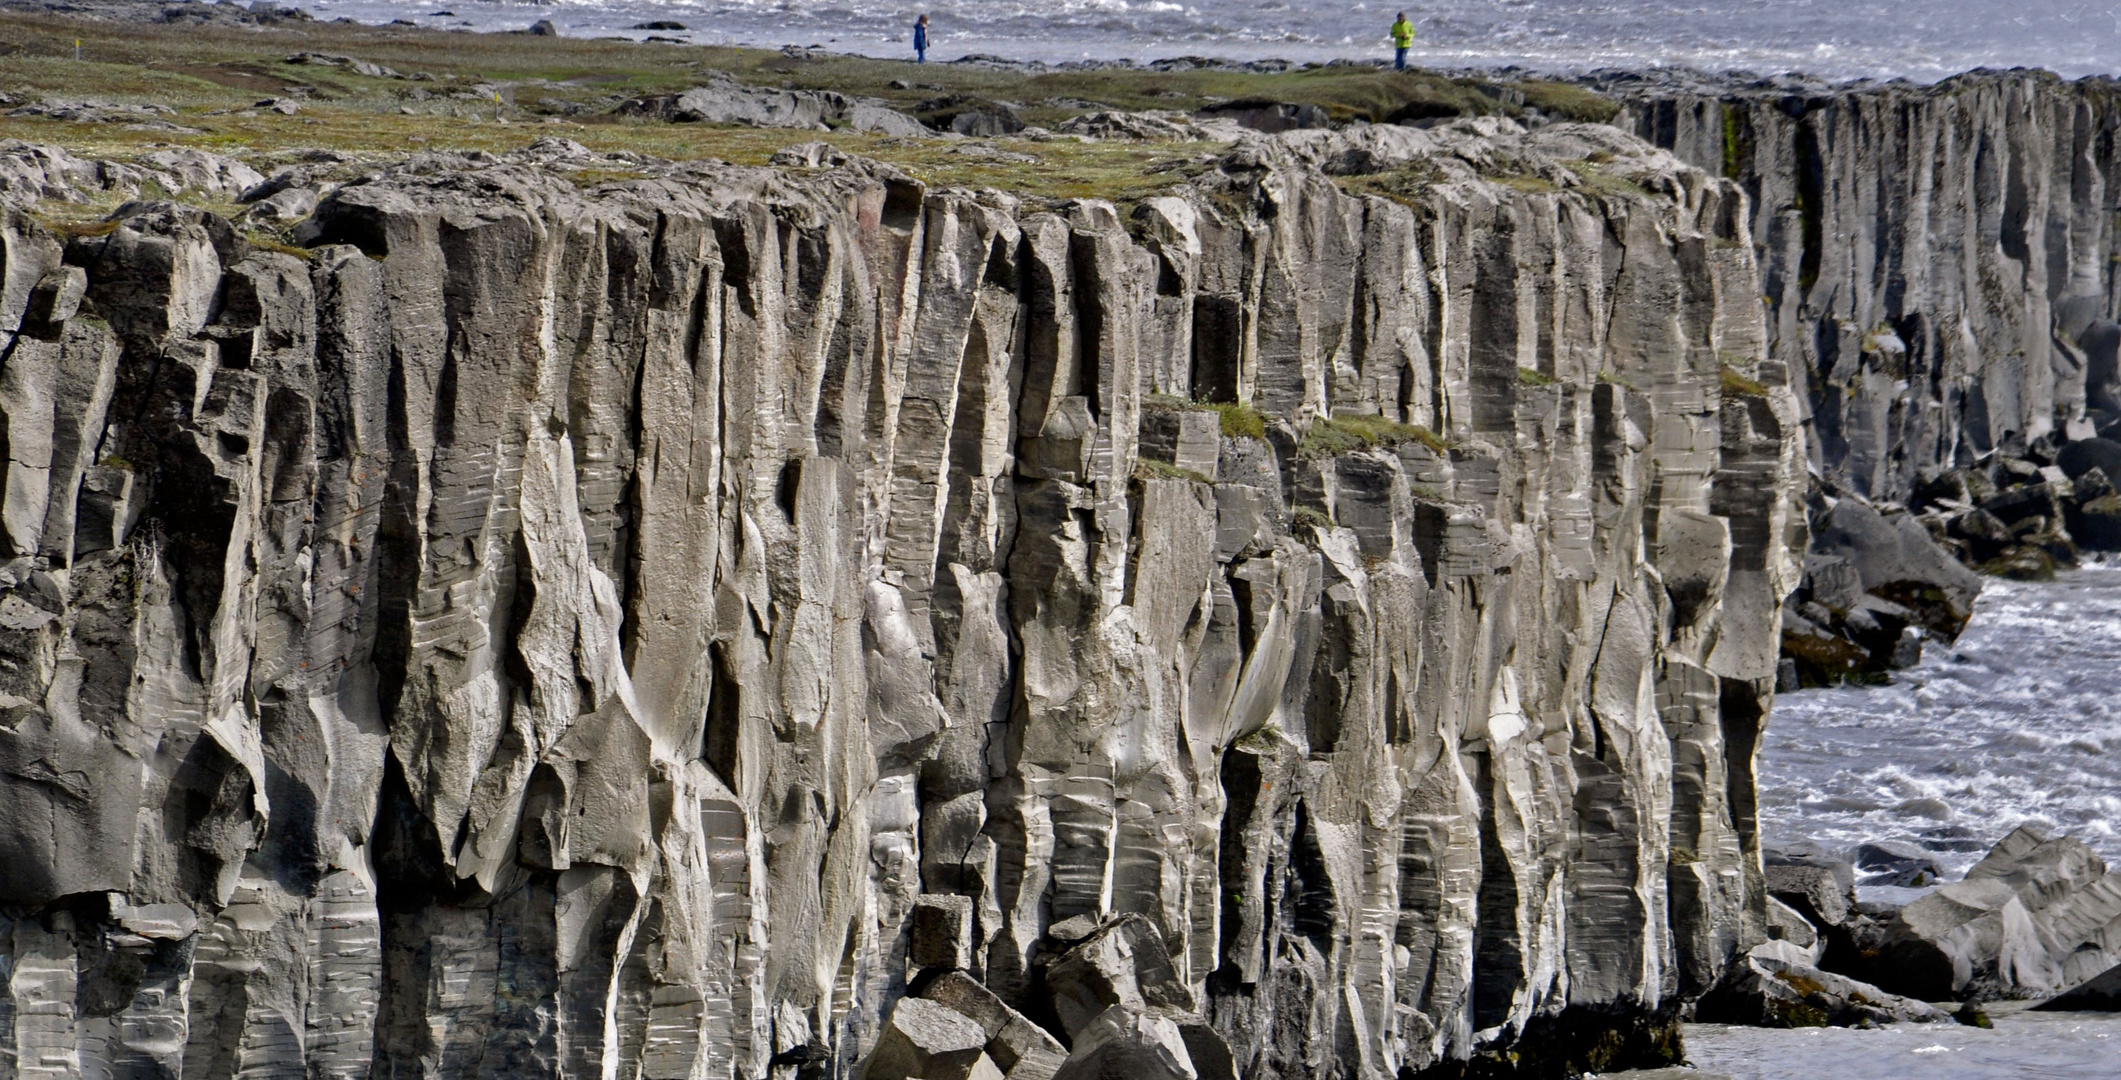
x,y
1402,34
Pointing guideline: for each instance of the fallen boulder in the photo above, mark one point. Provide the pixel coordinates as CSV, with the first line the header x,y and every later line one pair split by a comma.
x,y
1124,963
927,1041
1819,893
2084,455
1878,585
1902,865
2034,915
1126,1044
1896,559
1019,1048
1776,985
883,120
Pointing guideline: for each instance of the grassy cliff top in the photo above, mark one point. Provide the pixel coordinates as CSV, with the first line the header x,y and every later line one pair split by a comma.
x,y
462,91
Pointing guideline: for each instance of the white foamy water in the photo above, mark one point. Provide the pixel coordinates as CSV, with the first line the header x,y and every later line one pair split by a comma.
x,y
2022,1046
1921,39
2019,722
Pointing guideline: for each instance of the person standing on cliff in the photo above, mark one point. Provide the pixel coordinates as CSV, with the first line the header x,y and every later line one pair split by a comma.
x,y
1402,40
920,41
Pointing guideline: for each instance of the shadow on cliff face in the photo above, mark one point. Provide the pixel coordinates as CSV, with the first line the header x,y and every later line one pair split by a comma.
x,y
1572,1043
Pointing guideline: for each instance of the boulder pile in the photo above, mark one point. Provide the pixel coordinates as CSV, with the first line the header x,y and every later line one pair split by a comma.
x,y
2026,517
1882,579
1110,988
2035,916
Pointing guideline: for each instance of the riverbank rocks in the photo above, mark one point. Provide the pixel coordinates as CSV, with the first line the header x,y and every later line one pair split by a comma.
x,y
1778,985
2033,916
707,621
1818,884
1877,586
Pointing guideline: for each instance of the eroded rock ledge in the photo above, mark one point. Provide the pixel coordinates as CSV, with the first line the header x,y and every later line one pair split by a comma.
x,y
561,632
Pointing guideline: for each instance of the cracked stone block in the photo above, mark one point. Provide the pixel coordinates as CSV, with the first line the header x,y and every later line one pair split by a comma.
x,y
939,932
1020,1048
927,1041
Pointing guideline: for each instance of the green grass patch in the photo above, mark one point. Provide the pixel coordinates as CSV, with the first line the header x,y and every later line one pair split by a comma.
x,y
1532,377
1612,378
1593,177
1311,517
1569,101
1240,421
1736,382
1349,434
1236,421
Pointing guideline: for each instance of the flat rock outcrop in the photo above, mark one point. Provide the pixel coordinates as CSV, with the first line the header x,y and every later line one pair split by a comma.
x,y
541,626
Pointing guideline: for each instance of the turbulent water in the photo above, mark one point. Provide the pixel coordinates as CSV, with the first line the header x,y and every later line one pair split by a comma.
x,y
2022,1046
1921,39
2019,721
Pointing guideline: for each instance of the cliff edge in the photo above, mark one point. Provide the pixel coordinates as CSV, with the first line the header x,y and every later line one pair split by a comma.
x,y
553,626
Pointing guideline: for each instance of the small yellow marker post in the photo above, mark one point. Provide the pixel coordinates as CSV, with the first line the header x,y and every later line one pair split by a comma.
x,y
77,50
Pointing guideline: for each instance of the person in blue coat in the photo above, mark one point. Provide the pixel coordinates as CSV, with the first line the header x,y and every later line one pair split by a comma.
x,y
920,41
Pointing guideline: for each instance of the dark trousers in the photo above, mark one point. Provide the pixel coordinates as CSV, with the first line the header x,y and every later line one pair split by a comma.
x,y
1399,58
920,55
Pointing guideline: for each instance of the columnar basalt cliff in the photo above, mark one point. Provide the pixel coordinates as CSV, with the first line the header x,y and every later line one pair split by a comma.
x,y
1943,280
1939,260
649,629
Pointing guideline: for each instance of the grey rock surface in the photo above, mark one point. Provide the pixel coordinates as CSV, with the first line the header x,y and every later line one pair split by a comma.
x,y
1939,274
1779,985
2034,916
726,102
548,627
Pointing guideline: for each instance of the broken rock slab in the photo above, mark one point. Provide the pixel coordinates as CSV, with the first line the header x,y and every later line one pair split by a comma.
x,y
1022,1050
1126,1044
927,1041
1777,985
2036,914
939,933
1123,963
1822,894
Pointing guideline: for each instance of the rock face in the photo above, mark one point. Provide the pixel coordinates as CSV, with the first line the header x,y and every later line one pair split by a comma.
x,y
1937,260
726,102
547,631
1940,278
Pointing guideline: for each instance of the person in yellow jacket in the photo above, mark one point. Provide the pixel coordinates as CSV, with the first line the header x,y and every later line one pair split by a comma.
x,y
1402,40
